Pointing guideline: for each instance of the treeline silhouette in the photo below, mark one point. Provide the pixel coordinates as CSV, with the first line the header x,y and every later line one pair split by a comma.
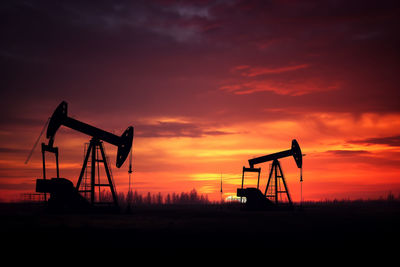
x,y
389,199
135,198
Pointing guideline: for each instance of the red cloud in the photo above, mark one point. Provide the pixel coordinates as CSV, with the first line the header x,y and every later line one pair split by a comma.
x,y
280,88
256,71
282,80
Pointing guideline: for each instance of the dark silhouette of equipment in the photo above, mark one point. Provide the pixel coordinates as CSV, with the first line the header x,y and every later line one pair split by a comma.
x,y
59,189
60,117
276,185
45,148
255,200
63,195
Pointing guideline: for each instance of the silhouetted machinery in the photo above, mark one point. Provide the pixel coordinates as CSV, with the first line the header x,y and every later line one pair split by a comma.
x,y
62,192
276,185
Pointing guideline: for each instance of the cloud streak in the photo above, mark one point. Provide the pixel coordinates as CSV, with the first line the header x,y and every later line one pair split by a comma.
x,y
256,71
176,129
393,141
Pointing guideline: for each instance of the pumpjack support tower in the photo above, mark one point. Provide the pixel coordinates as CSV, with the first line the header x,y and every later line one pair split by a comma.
x,y
276,185
61,190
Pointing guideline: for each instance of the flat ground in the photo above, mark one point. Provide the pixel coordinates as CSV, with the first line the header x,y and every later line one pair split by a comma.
x,y
359,224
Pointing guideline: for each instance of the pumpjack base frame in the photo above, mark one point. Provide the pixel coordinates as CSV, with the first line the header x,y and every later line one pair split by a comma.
x,y
275,174
95,144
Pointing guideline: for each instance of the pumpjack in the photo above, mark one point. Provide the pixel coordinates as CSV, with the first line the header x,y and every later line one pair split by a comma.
x,y
62,192
276,185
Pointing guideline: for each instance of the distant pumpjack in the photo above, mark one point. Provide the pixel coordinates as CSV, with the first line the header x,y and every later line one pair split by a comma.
x,y
123,142
273,188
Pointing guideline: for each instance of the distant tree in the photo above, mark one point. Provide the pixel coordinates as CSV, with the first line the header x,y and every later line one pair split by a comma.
x,y
105,196
193,198
168,199
204,199
121,197
129,197
175,198
159,198
134,198
184,198
148,198
137,199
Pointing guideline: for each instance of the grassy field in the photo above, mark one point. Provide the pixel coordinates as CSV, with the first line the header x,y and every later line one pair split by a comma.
x,y
317,225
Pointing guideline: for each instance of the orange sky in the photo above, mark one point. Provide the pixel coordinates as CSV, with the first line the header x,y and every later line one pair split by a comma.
x,y
338,164
207,85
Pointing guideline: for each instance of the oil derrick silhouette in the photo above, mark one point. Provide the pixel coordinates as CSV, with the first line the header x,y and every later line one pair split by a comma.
x,y
276,185
62,194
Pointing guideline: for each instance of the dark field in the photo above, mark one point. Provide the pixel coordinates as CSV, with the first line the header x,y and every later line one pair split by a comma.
x,y
373,224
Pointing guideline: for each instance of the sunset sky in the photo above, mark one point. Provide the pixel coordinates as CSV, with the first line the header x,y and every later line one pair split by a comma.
x,y
207,86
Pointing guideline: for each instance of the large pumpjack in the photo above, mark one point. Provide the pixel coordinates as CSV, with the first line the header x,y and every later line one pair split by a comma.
x,y
63,195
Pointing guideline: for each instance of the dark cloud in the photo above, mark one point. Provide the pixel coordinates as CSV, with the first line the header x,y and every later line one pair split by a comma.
x,y
7,150
389,141
16,186
139,54
173,58
17,122
372,159
348,153
175,129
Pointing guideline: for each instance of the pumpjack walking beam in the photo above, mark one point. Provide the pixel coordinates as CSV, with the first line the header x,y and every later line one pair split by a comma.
x,y
60,117
295,151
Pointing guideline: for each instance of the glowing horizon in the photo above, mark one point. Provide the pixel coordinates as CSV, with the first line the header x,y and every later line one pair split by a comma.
x,y
207,86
